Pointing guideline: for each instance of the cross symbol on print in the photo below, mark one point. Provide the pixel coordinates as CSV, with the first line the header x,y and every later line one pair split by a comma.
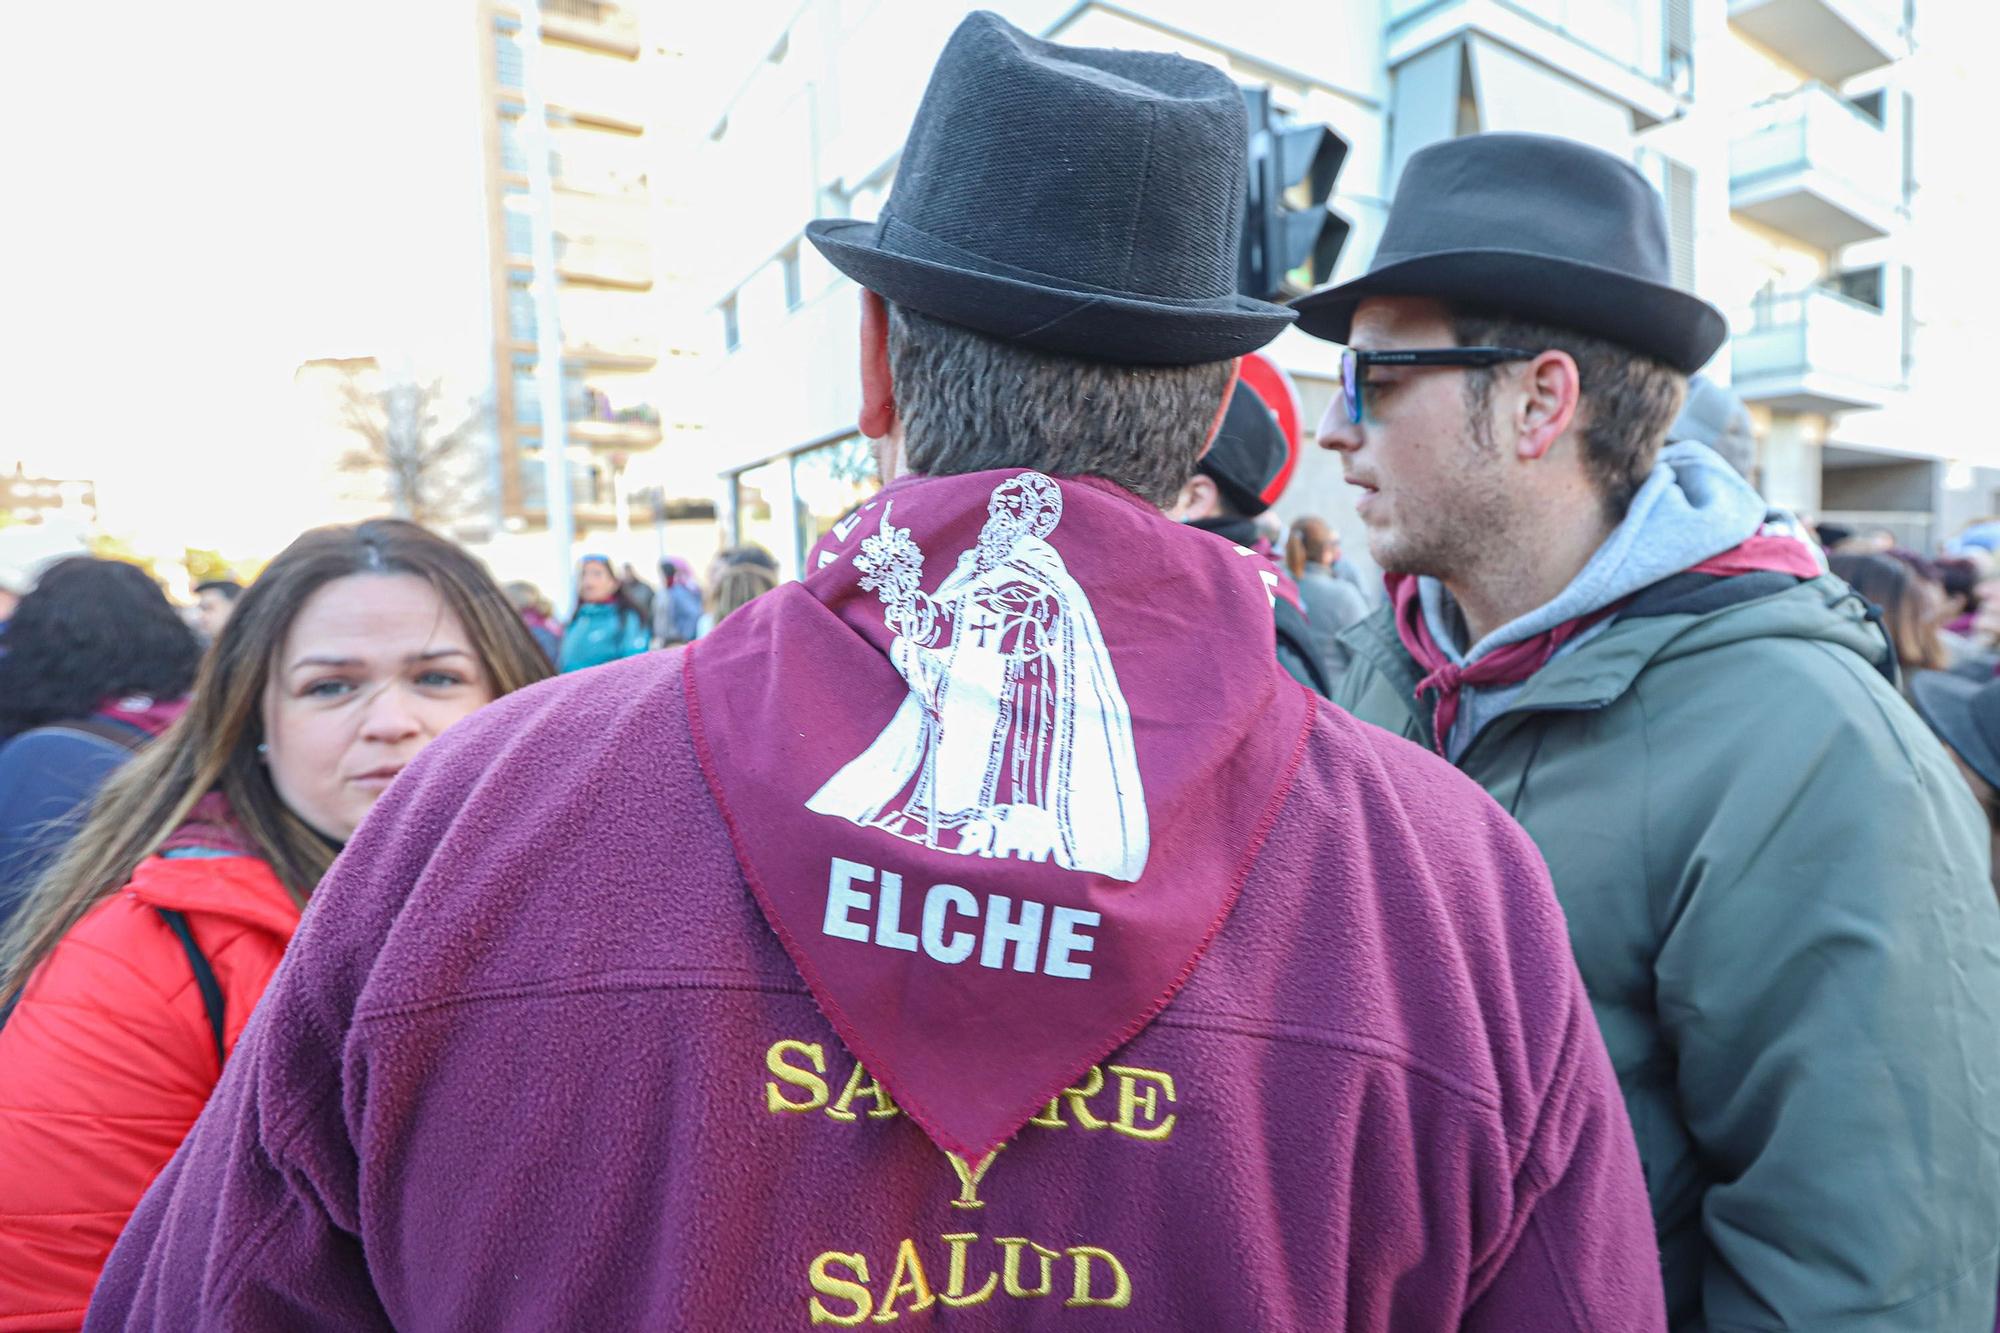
x,y
984,627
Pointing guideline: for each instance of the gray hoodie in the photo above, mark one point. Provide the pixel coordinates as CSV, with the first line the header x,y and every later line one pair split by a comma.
x,y
1693,506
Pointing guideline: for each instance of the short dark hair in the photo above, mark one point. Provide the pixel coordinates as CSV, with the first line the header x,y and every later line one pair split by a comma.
x,y
91,630
229,588
1629,402
969,403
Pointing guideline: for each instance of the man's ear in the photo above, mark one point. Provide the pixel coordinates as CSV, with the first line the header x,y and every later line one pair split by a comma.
x,y
1222,408
878,389
1550,392
1198,499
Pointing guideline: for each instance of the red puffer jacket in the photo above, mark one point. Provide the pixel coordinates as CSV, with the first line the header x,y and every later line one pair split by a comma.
x,y
108,1060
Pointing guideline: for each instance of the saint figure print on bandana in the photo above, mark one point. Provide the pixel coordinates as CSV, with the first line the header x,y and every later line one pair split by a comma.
x,y
1014,740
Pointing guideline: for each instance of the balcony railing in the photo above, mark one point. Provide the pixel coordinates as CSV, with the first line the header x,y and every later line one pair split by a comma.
x,y
1815,166
1815,351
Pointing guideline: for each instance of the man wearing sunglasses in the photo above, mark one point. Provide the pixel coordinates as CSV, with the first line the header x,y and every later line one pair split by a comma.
x,y
1775,890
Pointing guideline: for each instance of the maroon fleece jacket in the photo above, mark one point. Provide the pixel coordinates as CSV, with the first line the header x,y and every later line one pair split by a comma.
x,y
536,1061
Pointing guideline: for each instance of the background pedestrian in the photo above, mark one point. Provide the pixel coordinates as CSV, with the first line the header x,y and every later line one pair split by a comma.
x,y
607,624
96,664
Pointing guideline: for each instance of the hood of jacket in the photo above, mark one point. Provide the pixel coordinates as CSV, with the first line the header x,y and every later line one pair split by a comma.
x,y
242,889
1663,624
1693,506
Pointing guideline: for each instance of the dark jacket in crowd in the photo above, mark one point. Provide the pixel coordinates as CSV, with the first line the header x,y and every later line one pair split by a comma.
x,y
48,776
1332,604
1297,653
677,613
1777,889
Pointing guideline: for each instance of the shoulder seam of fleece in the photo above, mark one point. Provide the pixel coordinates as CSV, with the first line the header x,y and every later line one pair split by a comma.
x,y
1376,1048
619,981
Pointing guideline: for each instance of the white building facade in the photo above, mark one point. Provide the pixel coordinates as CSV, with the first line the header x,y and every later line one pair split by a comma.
x,y
1781,134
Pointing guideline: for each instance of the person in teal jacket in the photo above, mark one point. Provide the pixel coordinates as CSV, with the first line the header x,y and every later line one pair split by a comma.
x,y
1775,883
607,623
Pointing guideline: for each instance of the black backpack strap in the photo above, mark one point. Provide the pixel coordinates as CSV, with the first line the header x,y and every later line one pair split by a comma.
x,y
204,978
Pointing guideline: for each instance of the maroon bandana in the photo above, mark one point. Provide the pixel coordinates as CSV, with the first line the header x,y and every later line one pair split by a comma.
x,y
995,772
1515,662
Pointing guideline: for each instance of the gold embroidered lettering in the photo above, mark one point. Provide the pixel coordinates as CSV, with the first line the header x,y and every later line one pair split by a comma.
x,y
968,1179
906,1278
1079,1098
1134,1085
1121,1281
826,1284
954,1292
1010,1280
798,1077
884,1106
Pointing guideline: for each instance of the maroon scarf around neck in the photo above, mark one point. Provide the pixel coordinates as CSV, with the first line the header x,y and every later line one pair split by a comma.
x,y
995,772
1513,663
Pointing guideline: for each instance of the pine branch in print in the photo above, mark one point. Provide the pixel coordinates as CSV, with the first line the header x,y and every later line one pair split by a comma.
x,y
893,564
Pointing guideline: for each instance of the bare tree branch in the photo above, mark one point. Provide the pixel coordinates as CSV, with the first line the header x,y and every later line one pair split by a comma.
x,y
395,425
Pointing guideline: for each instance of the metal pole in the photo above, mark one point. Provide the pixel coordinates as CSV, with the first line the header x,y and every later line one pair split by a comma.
x,y
548,332
621,498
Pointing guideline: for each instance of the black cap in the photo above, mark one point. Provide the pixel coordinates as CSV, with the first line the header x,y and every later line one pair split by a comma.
x,y
1248,454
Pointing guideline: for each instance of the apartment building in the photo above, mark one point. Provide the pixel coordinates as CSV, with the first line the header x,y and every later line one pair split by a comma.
x,y
602,83
1781,133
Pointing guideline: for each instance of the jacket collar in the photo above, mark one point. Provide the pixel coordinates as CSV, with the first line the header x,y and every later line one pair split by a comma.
x,y
1602,669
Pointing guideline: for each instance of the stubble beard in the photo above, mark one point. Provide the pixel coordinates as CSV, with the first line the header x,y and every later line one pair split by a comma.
x,y
1445,537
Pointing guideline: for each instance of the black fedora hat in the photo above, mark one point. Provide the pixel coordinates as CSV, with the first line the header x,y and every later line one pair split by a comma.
x,y
1077,200
1966,716
1531,225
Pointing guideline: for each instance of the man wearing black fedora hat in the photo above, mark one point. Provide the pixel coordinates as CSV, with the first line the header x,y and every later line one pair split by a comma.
x,y
1775,885
1000,933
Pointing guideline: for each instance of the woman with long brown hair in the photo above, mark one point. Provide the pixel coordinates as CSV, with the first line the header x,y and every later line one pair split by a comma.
x,y
1910,612
139,955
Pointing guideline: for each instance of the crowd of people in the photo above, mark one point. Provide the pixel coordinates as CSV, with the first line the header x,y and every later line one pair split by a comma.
x,y
619,614
1078,897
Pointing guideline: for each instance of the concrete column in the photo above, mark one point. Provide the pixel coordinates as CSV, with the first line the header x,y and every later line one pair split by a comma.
x,y
1789,462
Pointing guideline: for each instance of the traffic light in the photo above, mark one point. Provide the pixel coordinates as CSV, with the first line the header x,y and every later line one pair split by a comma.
x,y
1290,238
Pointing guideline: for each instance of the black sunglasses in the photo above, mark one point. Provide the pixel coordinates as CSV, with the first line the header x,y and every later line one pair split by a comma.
x,y
1354,365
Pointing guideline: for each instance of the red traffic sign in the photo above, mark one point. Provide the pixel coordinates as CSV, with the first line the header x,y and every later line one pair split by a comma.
x,y
1274,388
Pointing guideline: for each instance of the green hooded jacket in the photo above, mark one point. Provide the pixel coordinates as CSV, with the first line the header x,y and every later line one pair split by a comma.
x,y
1777,889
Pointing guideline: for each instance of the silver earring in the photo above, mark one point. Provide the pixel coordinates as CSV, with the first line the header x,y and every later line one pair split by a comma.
x,y
263,747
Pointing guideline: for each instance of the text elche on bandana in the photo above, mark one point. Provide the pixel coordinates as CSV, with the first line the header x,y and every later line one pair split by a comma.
x,y
955,766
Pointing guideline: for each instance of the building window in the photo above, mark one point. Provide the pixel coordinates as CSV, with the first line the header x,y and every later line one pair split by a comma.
x,y
732,334
831,481
513,157
520,313
1676,183
1679,20
794,288
520,233
507,61
1859,284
